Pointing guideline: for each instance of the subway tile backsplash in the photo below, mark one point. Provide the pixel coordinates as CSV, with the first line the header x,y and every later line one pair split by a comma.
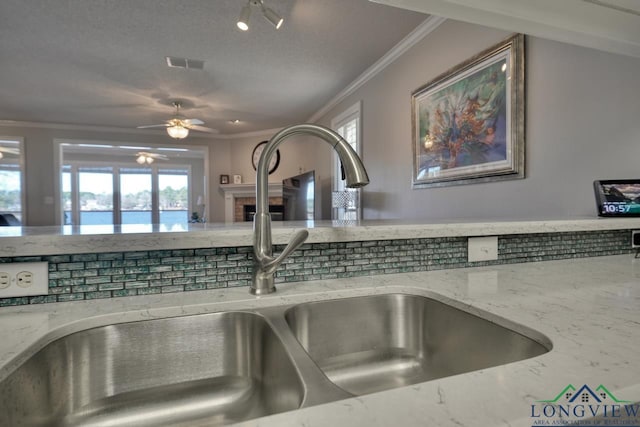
x,y
121,274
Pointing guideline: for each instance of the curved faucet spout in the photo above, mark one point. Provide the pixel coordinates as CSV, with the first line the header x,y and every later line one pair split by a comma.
x,y
265,264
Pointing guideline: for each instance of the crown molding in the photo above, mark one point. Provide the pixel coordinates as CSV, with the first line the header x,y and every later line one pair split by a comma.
x,y
607,25
267,133
92,128
420,32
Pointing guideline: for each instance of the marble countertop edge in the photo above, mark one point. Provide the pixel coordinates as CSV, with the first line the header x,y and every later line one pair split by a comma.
x,y
42,241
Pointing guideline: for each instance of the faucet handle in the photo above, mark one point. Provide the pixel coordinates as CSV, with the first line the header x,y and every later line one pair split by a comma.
x,y
298,239
295,242
265,265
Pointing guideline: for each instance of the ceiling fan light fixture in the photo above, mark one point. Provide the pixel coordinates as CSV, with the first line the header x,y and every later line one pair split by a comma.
x,y
177,132
142,159
245,14
272,17
178,126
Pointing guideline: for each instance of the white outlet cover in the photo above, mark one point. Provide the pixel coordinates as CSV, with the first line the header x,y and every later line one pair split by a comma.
x,y
40,279
5,280
483,248
24,279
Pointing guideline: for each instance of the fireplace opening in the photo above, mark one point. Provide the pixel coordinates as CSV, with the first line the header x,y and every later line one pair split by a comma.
x,y
276,211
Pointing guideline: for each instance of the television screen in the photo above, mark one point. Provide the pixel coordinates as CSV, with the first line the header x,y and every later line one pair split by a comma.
x,y
618,198
299,193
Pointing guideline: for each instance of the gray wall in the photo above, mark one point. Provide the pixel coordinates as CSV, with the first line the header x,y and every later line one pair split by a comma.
x,y
294,158
582,124
298,154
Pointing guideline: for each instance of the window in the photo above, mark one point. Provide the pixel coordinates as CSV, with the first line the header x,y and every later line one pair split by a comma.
x,y
346,201
95,195
174,196
125,192
11,177
136,204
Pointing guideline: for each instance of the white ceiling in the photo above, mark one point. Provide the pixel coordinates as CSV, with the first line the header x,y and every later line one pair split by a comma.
x,y
102,62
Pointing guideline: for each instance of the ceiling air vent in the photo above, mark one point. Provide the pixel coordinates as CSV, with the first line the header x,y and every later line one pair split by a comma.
x,y
190,64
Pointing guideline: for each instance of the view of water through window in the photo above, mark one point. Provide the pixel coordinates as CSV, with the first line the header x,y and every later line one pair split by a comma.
x,y
10,179
10,196
127,193
168,218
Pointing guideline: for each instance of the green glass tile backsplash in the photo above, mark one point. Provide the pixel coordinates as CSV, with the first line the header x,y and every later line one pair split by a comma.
x,y
119,274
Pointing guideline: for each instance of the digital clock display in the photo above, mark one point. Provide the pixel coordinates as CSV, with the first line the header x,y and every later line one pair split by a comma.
x,y
618,198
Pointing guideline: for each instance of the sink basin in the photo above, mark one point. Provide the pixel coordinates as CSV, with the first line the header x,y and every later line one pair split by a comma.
x,y
220,368
209,369
373,343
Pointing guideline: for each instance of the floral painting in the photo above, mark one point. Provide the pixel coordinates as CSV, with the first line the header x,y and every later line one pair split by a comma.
x,y
464,122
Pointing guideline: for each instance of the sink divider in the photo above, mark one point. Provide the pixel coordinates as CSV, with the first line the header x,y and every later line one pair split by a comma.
x,y
318,388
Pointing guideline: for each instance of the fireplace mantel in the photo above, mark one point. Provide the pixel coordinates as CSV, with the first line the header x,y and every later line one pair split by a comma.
x,y
234,191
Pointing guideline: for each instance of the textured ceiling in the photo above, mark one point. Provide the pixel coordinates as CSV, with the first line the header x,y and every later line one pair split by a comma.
x,y
102,62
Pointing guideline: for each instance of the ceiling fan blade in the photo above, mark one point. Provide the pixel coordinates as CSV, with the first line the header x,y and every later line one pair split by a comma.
x,y
192,122
204,129
153,126
9,150
154,156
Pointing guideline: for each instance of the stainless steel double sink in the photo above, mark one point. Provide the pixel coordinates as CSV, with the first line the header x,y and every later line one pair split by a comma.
x,y
220,368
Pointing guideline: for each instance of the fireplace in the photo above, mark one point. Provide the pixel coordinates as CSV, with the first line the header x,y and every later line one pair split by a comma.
x,y
245,208
237,196
276,211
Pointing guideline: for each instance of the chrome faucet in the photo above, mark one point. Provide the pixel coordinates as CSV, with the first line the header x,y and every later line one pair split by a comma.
x,y
265,264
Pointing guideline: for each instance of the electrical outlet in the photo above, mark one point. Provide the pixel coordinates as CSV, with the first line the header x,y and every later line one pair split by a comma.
x,y
18,279
24,279
5,279
482,248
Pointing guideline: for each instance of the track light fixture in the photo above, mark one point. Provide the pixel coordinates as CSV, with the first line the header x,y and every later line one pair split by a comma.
x,y
245,14
268,13
271,16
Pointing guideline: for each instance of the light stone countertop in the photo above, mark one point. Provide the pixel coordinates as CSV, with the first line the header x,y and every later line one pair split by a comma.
x,y
589,308
33,241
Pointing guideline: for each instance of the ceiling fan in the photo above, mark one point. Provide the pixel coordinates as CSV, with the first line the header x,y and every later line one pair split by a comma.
x,y
178,126
8,150
144,157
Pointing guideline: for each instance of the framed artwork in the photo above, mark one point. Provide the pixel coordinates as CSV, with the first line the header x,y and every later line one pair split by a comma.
x,y
224,179
237,179
468,123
